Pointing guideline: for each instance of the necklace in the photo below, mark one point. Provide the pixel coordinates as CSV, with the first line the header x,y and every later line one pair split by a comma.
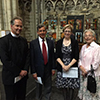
x,y
66,42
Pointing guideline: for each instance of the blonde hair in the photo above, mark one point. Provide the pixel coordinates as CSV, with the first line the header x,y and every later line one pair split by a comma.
x,y
68,26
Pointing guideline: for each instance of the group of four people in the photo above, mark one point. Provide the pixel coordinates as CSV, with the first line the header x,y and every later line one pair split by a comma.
x,y
17,57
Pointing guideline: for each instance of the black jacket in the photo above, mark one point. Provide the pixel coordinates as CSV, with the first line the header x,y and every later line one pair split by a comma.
x,y
14,55
74,54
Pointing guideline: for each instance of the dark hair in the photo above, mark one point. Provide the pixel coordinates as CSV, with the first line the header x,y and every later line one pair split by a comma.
x,y
13,20
40,26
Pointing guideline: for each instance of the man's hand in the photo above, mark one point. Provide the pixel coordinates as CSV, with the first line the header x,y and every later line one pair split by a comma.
x,y
53,72
35,76
23,73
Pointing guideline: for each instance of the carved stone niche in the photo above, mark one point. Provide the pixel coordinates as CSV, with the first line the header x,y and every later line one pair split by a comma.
x,y
25,5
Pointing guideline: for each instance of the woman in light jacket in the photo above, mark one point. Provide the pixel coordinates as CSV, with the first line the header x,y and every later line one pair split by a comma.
x,y
90,54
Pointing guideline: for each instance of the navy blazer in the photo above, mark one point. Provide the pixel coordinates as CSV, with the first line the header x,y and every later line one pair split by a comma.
x,y
74,54
37,62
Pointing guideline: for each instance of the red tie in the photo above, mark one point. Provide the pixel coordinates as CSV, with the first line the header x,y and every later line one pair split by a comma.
x,y
44,52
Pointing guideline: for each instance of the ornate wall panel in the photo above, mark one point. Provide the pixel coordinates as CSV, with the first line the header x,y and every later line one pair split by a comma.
x,y
58,10
51,12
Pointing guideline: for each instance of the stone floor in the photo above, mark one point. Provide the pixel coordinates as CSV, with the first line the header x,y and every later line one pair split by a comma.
x,y
30,87
30,95
55,95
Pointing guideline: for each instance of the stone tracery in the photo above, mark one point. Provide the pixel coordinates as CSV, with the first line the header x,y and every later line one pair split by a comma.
x,y
62,8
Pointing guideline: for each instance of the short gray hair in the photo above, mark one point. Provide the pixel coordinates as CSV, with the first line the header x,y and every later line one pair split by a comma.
x,y
89,30
12,22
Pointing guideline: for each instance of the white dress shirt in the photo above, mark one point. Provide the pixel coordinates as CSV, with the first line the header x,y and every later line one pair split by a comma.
x,y
41,41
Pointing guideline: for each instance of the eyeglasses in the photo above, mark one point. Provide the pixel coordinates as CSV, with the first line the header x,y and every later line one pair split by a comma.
x,y
42,30
88,35
67,31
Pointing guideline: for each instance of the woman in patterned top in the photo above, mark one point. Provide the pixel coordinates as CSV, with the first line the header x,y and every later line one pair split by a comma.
x,y
67,55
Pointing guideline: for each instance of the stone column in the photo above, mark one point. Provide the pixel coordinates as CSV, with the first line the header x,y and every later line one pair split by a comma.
x,y
38,11
14,7
58,28
42,10
8,13
33,25
0,14
4,8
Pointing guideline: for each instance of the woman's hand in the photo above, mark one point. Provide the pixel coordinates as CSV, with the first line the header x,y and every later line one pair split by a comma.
x,y
66,68
53,72
84,74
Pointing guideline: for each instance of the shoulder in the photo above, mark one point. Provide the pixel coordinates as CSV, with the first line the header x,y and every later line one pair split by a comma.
x,y
22,38
49,40
84,46
34,41
96,45
4,41
59,41
5,38
74,43
74,40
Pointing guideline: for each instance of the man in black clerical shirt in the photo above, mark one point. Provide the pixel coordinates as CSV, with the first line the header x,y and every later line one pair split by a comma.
x,y
15,58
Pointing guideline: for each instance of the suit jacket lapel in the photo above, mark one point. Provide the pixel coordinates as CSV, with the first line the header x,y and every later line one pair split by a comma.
x,y
48,44
39,48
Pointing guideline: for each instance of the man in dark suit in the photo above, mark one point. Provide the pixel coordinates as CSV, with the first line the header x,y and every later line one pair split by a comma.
x,y
15,58
42,66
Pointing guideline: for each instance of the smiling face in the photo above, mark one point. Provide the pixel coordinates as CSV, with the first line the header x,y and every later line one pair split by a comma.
x,y
17,27
88,37
67,33
42,32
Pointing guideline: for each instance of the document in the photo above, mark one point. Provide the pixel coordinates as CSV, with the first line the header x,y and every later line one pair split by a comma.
x,y
18,78
39,80
71,73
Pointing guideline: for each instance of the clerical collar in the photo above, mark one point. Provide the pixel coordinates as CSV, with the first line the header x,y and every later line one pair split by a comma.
x,y
14,35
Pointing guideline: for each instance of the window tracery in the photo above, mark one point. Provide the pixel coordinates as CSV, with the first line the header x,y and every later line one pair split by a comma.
x,y
49,6
59,5
60,9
